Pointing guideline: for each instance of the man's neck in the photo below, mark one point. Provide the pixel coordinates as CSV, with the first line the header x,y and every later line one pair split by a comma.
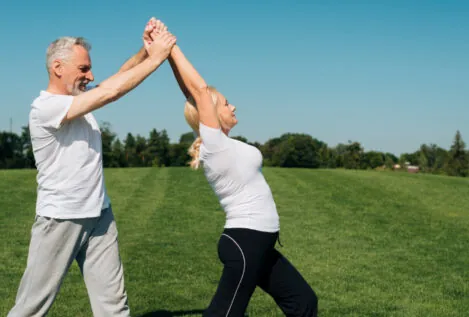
x,y
57,89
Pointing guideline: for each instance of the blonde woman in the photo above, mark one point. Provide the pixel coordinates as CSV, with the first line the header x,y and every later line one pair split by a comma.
x,y
233,169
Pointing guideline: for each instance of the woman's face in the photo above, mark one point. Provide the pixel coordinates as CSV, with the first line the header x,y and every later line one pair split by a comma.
x,y
226,112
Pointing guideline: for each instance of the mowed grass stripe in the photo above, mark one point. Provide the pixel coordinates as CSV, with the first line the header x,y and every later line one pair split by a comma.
x,y
17,203
187,224
139,240
386,243
72,300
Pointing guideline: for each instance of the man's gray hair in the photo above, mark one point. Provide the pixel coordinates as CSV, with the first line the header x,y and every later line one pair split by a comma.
x,y
62,47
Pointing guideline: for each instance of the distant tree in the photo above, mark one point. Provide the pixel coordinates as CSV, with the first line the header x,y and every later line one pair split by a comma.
x,y
441,157
390,160
153,148
118,155
353,155
107,138
187,138
130,151
411,158
268,150
373,159
28,155
256,145
164,148
158,148
457,163
338,153
297,150
392,157
178,155
141,151
240,138
11,151
432,158
326,157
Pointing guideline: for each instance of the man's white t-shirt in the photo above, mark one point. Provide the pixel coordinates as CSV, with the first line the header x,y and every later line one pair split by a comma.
x,y
234,171
68,159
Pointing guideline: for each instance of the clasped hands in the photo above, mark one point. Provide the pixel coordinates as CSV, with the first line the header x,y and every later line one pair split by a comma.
x,y
157,40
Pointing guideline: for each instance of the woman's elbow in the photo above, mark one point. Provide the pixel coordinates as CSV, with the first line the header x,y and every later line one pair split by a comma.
x,y
200,91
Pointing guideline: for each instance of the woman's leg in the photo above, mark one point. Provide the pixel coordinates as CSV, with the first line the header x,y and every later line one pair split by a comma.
x,y
243,253
287,287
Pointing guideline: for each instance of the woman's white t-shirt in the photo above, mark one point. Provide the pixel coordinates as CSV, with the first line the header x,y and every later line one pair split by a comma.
x,y
234,171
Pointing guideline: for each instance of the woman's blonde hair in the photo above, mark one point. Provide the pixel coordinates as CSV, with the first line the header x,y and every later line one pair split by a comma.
x,y
192,117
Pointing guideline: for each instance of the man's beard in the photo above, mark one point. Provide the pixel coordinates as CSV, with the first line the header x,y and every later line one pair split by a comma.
x,y
77,88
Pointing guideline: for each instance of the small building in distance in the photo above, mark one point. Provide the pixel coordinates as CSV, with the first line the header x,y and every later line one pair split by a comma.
x,y
409,167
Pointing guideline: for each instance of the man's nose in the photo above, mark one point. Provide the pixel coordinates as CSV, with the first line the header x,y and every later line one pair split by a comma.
x,y
90,76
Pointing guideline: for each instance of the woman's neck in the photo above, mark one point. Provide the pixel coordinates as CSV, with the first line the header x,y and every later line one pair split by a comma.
x,y
226,131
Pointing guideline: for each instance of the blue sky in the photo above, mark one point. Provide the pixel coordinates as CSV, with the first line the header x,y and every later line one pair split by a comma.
x,y
389,74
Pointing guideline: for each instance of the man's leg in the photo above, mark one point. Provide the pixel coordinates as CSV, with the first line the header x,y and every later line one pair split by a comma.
x,y
101,266
53,246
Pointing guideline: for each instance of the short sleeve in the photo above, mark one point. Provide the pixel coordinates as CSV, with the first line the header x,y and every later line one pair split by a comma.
x,y
50,111
214,139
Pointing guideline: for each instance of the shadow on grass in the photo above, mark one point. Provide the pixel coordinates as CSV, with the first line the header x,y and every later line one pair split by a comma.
x,y
166,313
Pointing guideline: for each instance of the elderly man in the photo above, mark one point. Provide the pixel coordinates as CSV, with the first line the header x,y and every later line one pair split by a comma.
x,y
74,219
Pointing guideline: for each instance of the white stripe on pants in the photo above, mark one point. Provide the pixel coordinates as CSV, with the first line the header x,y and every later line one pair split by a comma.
x,y
55,243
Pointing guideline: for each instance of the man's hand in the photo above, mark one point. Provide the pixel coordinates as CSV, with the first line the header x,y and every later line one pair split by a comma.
x,y
161,44
146,33
158,25
153,25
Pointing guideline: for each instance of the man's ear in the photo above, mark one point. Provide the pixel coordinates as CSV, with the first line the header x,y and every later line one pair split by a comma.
x,y
57,68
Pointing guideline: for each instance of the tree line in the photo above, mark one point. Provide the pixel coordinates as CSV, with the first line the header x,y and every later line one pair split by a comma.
x,y
288,150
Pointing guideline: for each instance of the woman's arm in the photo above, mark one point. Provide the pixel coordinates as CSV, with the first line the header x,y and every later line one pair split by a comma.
x,y
192,84
181,84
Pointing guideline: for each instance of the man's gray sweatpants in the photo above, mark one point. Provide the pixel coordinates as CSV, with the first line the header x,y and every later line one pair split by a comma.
x,y
55,243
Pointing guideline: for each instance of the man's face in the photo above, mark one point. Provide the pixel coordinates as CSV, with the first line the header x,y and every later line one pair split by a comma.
x,y
75,72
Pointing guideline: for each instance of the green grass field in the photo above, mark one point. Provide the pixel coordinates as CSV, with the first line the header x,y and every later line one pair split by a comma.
x,y
370,243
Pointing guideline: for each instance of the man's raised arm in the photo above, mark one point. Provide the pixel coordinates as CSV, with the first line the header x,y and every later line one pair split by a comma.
x,y
134,60
121,83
